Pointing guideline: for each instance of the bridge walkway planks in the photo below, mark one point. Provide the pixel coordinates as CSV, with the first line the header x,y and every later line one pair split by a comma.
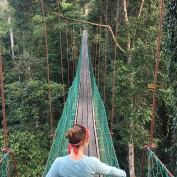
x,y
85,115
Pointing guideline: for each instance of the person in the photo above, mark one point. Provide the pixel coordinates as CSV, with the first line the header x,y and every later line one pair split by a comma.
x,y
76,164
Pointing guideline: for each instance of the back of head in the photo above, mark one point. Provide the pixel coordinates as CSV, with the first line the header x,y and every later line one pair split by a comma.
x,y
76,134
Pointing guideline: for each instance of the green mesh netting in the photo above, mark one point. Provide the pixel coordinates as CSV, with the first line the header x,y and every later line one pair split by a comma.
x,y
4,167
59,146
107,151
154,166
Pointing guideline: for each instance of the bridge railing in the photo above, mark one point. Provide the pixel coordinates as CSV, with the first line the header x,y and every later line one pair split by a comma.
x,y
8,165
4,167
67,119
106,147
153,166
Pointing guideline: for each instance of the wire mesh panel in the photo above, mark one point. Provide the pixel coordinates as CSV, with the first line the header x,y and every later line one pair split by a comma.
x,y
107,151
67,119
154,167
4,167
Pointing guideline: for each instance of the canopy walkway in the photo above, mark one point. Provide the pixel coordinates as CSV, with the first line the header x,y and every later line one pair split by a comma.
x,y
82,107
85,106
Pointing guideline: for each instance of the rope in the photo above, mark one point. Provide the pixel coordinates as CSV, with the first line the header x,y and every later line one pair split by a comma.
x,y
156,70
3,105
59,144
6,149
93,53
73,42
163,168
107,151
67,51
104,99
96,51
48,69
144,156
71,53
114,77
155,166
99,54
61,59
155,85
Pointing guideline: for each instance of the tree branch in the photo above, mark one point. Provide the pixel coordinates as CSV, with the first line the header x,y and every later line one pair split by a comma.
x,y
125,11
95,24
142,3
2,3
126,22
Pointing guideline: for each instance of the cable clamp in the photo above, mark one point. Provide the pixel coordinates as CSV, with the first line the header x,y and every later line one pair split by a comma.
x,y
152,146
52,135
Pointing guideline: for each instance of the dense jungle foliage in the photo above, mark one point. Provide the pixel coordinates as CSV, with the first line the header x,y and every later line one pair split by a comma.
x,y
26,82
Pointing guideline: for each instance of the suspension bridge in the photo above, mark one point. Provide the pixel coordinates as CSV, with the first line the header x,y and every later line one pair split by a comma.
x,y
84,105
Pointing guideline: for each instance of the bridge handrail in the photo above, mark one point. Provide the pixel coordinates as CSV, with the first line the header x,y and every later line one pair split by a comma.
x,y
107,151
67,119
4,164
155,166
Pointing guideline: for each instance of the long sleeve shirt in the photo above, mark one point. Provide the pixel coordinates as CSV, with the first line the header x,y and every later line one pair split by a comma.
x,y
84,167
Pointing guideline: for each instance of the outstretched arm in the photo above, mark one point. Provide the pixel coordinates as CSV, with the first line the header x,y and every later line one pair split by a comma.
x,y
103,169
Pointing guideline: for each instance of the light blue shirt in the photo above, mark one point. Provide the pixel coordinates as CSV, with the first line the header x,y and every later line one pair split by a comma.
x,y
84,167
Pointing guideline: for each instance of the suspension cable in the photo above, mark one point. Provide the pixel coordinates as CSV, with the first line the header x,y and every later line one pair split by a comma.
x,y
6,149
67,52
72,54
114,77
92,53
61,59
93,60
155,85
99,54
48,69
105,52
156,71
96,51
3,105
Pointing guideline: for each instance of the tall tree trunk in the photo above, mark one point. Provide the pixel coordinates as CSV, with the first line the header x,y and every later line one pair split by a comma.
x,y
85,11
130,145
131,159
11,40
5,7
126,22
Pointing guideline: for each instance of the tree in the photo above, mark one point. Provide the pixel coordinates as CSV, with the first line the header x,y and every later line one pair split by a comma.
x,y
170,54
137,35
27,114
25,79
6,19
